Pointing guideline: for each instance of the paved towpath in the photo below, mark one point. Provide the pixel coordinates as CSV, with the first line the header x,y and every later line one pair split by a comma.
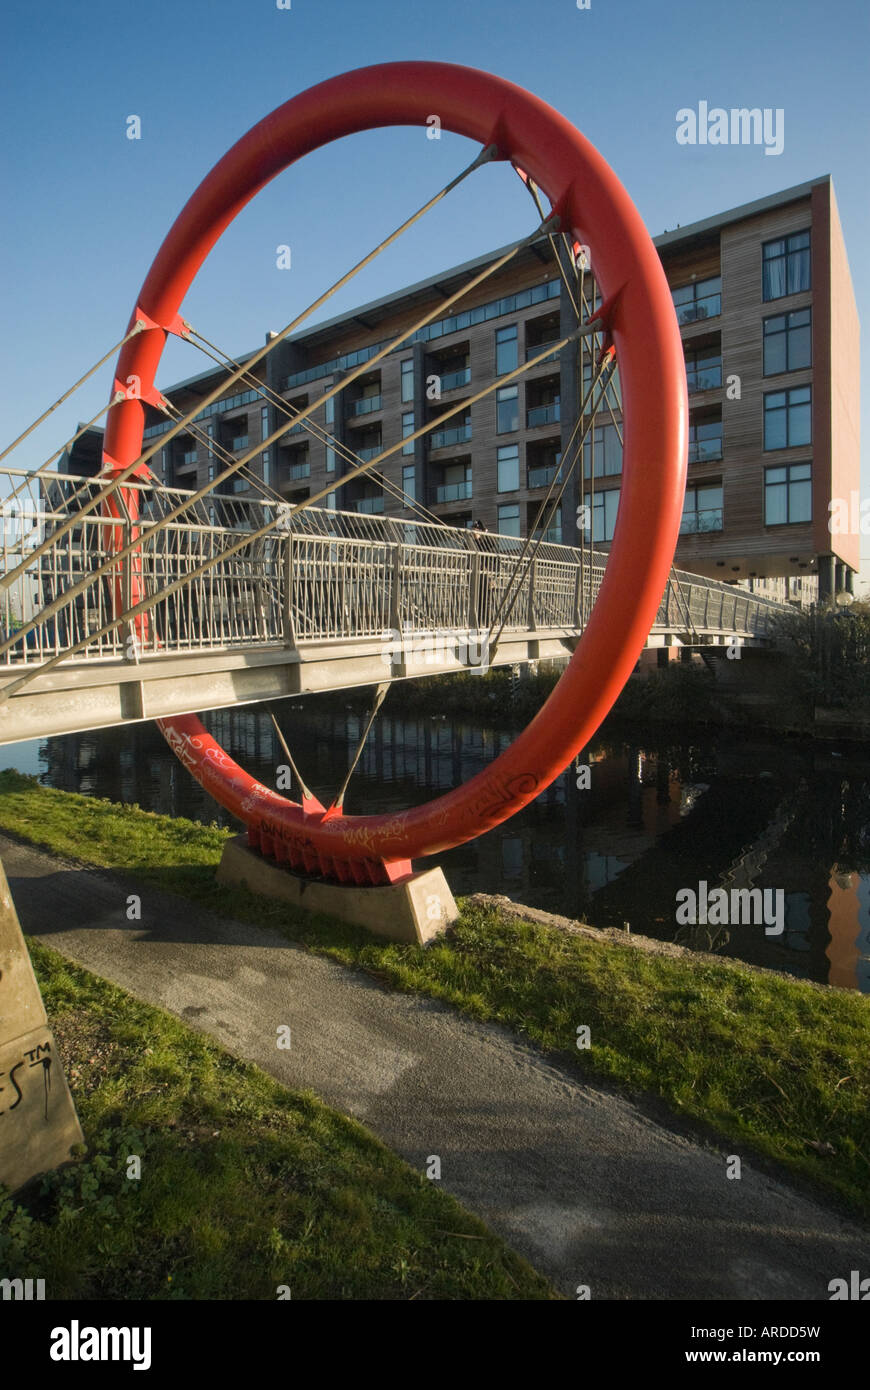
x,y
584,1183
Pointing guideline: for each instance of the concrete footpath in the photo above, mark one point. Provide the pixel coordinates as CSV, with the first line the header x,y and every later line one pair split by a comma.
x,y
586,1184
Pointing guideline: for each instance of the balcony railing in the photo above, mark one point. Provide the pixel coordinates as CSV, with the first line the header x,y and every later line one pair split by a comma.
x,y
543,475
370,504
705,450
460,434
535,350
453,492
299,470
696,523
542,415
709,307
450,380
369,453
189,457
706,379
365,405
240,442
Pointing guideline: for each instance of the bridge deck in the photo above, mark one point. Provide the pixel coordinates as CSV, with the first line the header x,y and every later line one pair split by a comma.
x,y
319,600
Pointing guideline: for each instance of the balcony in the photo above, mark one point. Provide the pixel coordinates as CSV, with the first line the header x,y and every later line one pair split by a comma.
x,y
543,475
706,379
705,450
239,442
187,458
542,415
370,505
453,492
459,434
708,307
364,406
370,452
535,349
450,380
299,470
698,523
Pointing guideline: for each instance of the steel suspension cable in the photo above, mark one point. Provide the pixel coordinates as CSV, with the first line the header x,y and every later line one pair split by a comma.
x,y
137,328
484,157
195,497
151,601
531,540
344,450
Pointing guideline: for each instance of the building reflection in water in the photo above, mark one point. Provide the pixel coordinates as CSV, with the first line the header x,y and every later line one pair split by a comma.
x,y
657,818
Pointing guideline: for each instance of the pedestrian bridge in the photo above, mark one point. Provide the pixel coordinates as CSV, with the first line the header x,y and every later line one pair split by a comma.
x,y
245,600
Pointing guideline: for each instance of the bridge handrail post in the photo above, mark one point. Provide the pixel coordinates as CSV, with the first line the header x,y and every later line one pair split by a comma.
x,y
474,592
289,624
578,595
533,574
395,587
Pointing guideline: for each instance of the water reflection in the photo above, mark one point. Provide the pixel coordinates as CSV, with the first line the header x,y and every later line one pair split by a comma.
x,y
657,818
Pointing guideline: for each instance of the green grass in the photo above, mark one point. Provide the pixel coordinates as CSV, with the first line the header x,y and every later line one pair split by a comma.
x,y
245,1186
775,1066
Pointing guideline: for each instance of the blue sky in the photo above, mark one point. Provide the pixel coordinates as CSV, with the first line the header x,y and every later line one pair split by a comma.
x,y
86,208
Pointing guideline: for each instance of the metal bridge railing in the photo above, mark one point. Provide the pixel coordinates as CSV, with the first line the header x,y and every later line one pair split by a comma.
x,y
318,575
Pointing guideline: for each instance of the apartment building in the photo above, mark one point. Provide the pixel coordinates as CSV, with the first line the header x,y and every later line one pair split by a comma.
x,y
762,294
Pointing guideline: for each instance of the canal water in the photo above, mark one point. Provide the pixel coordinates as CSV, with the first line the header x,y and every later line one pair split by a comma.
x,y
662,814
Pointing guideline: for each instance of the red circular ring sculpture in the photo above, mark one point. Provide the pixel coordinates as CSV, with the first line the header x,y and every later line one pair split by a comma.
x,y
641,323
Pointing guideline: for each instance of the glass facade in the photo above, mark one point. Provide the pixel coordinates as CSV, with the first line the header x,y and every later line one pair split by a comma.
x,y
700,300
702,509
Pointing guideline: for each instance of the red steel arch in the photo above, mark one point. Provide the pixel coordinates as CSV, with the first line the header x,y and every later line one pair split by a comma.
x,y
641,321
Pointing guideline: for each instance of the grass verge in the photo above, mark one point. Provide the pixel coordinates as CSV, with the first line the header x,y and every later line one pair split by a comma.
x,y
772,1065
245,1187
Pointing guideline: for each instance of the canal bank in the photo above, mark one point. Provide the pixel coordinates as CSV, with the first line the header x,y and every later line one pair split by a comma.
x,y
659,809
595,1184
774,1067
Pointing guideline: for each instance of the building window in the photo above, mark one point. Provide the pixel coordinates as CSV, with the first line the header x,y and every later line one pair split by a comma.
x,y
787,418
408,428
606,452
604,508
509,519
785,266
408,379
329,411
211,472
703,369
264,422
507,410
330,501
700,300
409,482
787,494
505,350
508,468
266,468
210,428
330,459
705,440
552,526
788,343
702,509
456,486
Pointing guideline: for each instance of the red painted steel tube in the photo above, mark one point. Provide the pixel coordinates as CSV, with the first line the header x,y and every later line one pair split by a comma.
x,y
597,212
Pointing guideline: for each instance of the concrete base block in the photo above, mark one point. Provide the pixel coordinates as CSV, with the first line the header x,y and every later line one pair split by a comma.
x,y
38,1121
418,908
